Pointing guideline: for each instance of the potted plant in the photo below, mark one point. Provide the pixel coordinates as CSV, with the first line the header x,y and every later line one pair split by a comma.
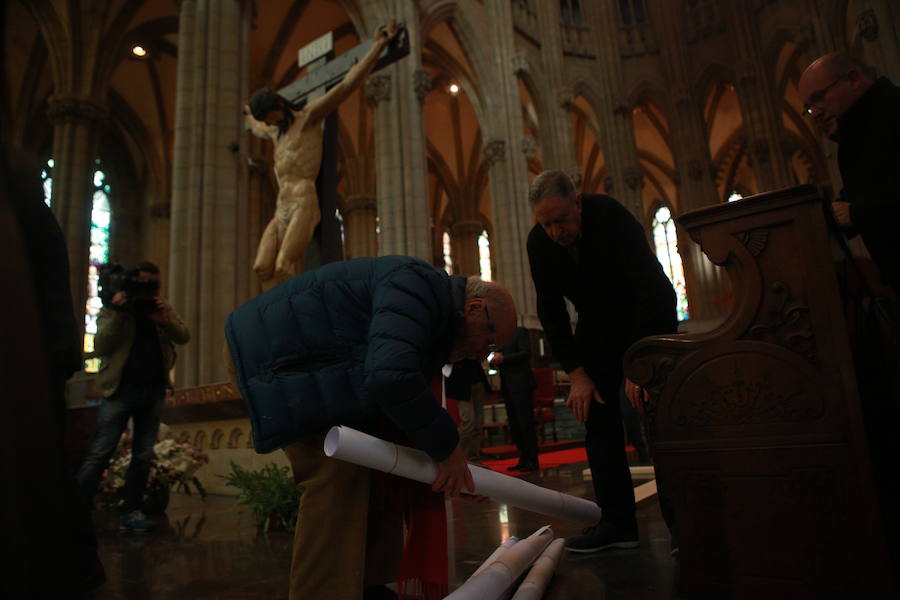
x,y
175,464
270,494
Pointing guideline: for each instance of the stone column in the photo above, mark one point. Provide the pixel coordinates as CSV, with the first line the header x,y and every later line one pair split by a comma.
x,y
208,251
359,212
760,109
624,177
464,242
396,94
693,164
508,168
76,124
557,144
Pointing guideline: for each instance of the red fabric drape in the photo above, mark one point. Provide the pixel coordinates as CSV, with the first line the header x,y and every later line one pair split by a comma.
x,y
424,566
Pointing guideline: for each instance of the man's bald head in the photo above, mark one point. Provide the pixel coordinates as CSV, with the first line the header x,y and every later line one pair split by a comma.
x,y
830,85
490,319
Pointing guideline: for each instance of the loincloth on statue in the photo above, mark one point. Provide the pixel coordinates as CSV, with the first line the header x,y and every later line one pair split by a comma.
x,y
284,211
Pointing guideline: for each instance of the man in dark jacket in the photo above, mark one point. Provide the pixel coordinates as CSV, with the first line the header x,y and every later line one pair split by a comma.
x,y
136,338
862,114
517,385
355,343
592,251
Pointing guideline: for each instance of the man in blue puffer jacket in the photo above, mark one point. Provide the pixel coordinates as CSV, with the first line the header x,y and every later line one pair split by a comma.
x,y
355,343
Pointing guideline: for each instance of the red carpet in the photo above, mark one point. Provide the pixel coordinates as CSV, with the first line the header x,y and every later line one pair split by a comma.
x,y
548,460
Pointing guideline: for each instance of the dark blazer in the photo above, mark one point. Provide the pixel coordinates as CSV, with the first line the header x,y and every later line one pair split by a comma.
x,y
515,370
614,280
344,344
465,374
869,160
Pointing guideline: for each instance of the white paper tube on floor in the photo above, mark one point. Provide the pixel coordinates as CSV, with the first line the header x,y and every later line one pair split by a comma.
x,y
499,576
541,572
496,554
362,449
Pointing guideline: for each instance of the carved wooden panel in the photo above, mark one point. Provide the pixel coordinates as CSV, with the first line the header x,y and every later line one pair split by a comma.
x,y
756,426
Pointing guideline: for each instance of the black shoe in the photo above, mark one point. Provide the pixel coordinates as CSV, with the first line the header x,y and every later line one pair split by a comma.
x,y
135,521
515,467
379,592
602,536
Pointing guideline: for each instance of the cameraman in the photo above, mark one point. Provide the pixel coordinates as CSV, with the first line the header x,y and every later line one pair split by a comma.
x,y
136,337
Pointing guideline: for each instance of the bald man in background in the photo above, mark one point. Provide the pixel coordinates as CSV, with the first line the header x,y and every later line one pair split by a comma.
x,y
862,114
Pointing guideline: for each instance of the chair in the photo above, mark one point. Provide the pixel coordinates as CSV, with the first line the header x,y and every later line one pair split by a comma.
x,y
544,394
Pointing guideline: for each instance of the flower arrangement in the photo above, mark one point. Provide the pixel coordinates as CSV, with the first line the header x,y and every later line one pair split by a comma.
x,y
175,465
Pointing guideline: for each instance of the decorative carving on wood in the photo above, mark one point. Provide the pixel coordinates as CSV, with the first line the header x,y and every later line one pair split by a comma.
x,y
755,240
787,324
758,390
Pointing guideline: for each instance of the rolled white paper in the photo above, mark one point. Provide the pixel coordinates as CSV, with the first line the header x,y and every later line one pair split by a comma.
x,y
499,576
541,572
496,554
362,449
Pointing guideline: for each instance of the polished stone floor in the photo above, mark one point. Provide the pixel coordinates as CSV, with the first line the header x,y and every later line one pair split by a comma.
x,y
211,550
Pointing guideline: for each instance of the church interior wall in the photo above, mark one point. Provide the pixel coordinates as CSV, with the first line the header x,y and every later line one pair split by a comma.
x,y
596,96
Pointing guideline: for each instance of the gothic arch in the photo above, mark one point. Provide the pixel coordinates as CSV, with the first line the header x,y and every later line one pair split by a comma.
x,y
647,90
712,74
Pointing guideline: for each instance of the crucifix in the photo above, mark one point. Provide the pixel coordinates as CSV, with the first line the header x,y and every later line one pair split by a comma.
x,y
301,122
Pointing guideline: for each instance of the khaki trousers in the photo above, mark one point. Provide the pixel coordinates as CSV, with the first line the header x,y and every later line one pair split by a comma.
x,y
343,542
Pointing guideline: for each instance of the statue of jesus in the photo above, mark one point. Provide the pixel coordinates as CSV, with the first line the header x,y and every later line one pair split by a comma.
x,y
297,135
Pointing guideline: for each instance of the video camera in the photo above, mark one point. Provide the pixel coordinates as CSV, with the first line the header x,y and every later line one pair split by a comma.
x,y
140,291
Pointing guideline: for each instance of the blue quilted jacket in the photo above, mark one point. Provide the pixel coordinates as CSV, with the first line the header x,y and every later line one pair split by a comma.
x,y
344,344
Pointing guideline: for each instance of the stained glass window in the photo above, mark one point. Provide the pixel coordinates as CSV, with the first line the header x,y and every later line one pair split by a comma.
x,y
47,180
448,261
99,255
484,256
666,243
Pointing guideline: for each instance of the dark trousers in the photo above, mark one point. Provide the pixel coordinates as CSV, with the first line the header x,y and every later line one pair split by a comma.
x,y
143,405
520,416
604,442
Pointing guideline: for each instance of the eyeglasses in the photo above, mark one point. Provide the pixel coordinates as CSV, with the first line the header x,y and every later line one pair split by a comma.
x,y
816,98
492,345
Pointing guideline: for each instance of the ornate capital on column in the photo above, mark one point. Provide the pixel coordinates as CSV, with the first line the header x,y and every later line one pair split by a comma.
x,y
760,150
608,184
421,83
494,151
73,109
528,146
574,173
634,177
747,75
867,25
378,88
565,97
520,65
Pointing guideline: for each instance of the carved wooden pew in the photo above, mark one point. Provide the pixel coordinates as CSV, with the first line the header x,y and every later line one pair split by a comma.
x,y
756,426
